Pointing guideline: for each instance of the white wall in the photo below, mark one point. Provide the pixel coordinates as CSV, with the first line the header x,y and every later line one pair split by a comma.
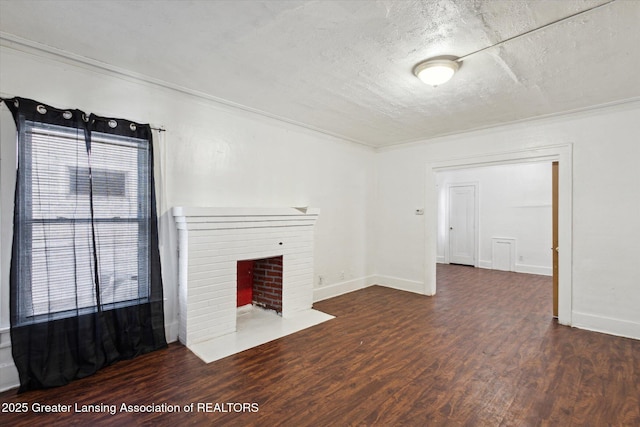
x,y
514,201
210,155
605,286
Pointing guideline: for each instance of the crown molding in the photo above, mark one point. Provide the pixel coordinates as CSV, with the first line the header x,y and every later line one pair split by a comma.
x,y
38,49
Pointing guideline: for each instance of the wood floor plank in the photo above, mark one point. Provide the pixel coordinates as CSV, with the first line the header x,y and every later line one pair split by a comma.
x,y
484,351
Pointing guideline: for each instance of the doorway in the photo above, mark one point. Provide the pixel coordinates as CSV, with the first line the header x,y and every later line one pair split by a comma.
x,y
554,234
563,154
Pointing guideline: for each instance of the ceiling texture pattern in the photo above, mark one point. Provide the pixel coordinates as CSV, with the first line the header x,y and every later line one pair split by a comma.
x,y
344,67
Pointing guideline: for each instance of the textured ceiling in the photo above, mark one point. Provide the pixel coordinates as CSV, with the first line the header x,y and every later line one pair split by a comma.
x,y
345,67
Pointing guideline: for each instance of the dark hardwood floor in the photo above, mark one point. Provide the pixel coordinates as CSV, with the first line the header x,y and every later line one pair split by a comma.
x,y
483,352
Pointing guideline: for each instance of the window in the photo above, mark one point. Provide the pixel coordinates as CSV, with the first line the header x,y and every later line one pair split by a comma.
x,y
85,280
71,203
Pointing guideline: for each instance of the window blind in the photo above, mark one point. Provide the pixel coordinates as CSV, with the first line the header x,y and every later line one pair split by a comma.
x,y
71,202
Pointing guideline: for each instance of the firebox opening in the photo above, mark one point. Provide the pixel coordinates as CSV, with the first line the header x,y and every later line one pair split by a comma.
x,y
260,283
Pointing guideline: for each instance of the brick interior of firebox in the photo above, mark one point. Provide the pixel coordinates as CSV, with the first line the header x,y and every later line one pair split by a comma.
x,y
264,277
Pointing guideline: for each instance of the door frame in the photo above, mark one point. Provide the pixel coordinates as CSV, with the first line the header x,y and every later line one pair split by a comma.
x,y
476,220
554,234
563,154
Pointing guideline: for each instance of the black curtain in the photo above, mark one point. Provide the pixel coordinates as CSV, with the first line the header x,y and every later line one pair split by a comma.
x,y
86,288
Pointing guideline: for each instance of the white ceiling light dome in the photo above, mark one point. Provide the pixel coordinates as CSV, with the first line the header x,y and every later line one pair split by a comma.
x,y
435,72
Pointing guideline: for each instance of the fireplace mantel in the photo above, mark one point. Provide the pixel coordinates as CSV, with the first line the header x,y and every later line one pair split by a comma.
x,y
210,242
230,218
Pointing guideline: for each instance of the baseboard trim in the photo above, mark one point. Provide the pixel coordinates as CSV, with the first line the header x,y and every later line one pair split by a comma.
x,y
485,264
171,331
606,325
521,268
8,376
400,284
534,269
8,372
341,288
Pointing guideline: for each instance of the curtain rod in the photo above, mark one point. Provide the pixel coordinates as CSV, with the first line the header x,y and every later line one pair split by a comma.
x,y
159,129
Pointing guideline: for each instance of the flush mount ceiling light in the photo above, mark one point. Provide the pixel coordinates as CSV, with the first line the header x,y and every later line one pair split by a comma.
x,y
435,72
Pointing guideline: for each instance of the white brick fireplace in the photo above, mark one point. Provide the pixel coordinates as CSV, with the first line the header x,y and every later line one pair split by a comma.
x,y
212,240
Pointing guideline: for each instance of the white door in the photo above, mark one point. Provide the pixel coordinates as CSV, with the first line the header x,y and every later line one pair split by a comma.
x,y
462,224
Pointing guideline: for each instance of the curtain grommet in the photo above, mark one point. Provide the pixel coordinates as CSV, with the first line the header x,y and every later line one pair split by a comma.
x,y
113,124
67,115
41,109
133,127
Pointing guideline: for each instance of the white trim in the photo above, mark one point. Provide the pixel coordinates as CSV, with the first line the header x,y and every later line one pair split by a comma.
x,y
621,105
171,331
487,265
521,268
20,44
8,377
534,269
230,214
400,284
561,153
8,373
337,289
607,325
